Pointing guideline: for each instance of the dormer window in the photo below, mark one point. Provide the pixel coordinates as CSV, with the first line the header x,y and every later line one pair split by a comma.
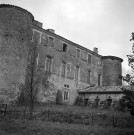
x,y
64,47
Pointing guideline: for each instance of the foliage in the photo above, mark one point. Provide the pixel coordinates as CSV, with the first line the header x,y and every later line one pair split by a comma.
x,y
129,78
78,101
59,97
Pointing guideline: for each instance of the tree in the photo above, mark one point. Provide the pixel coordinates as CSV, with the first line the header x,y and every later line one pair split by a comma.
x,y
31,84
129,78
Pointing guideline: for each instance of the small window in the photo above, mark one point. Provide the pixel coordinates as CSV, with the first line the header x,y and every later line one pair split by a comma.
x,y
66,96
77,53
99,61
88,77
89,58
64,47
48,64
66,86
37,59
99,79
47,82
68,69
76,73
36,36
63,69
50,42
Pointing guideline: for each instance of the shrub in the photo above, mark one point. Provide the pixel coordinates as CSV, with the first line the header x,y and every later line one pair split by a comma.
x,y
78,101
121,105
59,97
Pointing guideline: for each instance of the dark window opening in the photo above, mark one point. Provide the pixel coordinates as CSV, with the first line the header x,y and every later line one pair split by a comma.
x,y
66,85
64,47
48,64
50,42
88,76
78,53
66,96
76,73
89,58
99,79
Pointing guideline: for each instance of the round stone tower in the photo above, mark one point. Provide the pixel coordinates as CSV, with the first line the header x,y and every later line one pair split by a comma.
x,y
112,71
15,39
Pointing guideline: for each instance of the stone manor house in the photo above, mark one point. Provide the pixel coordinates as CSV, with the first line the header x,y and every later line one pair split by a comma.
x,y
61,65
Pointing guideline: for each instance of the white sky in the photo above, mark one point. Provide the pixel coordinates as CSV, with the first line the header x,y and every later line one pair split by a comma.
x,y
105,24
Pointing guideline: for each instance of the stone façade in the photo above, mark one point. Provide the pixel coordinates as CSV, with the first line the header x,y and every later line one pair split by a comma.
x,y
82,67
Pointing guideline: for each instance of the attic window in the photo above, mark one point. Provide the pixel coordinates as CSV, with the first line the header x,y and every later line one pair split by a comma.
x,y
64,47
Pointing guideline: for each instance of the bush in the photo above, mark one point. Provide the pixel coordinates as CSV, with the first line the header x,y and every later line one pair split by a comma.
x,y
59,97
21,99
78,101
121,105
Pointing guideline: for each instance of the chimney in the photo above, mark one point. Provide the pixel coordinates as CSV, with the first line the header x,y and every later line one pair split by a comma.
x,y
39,24
51,30
95,50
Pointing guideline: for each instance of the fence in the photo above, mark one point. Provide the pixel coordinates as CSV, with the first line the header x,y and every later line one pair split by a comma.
x,y
97,119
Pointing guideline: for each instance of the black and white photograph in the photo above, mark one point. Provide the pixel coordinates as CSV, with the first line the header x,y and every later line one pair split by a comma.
x,y
66,67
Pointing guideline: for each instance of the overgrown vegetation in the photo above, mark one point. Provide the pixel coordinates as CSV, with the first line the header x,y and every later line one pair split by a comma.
x,y
129,78
62,120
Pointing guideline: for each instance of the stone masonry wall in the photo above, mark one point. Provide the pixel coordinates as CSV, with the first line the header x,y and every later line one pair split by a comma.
x,y
112,72
69,57
15,35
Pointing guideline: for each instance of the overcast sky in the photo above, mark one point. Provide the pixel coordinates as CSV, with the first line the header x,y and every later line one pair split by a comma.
x,y
105,24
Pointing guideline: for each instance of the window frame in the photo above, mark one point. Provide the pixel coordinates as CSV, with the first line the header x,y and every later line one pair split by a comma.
x,y
66,48
68,72
77,67
65,69
99,79
66,95
48,44
40,33
88,58
79,53
89,77
51,61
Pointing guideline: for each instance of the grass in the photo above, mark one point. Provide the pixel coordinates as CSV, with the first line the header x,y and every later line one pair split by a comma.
x,y
69,122
38,127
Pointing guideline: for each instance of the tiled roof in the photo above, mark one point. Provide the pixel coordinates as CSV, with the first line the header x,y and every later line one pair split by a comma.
x,y
101,89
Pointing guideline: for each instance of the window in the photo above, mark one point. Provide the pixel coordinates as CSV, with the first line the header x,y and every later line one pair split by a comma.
x,y
88,76
66,96
50,42
68,69
64,47
99,78
77,53
99,61
89,58
66,86
48,64
37,59
76,73
36,36
63,69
